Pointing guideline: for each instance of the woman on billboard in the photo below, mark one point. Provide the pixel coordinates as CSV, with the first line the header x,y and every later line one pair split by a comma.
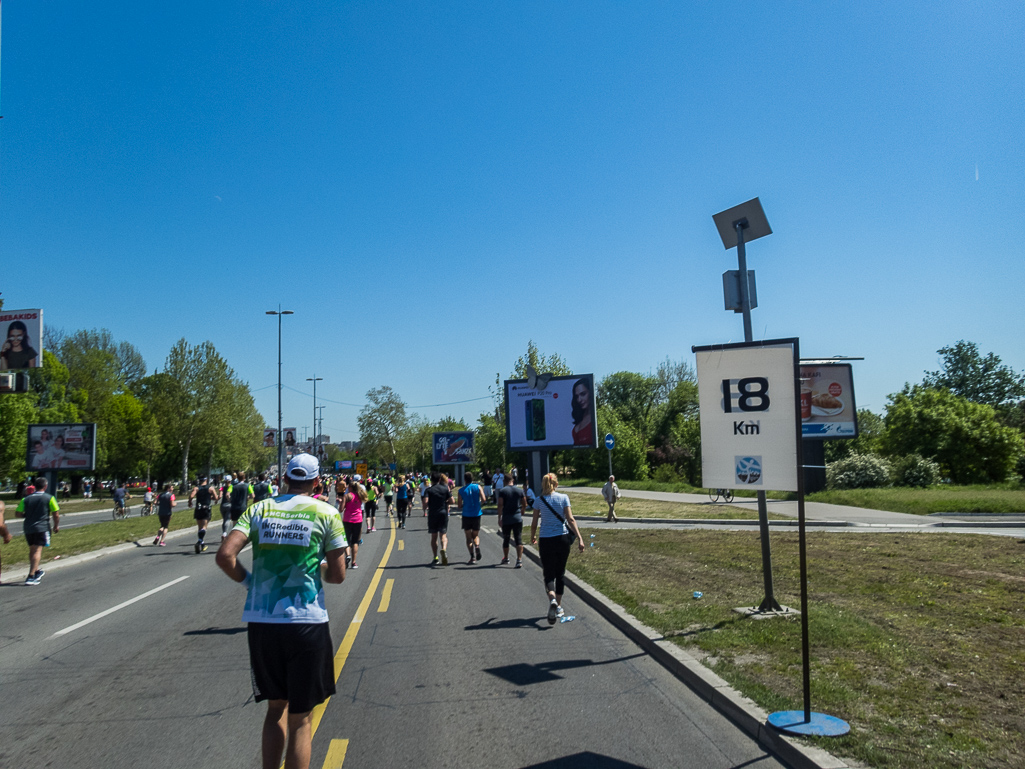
x,y
17,352
582,417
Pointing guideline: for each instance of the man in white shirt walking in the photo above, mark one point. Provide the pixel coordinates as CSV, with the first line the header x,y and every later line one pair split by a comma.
x,y
610,491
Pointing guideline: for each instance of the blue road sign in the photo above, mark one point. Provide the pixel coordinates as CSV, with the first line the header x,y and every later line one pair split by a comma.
x,y
610,441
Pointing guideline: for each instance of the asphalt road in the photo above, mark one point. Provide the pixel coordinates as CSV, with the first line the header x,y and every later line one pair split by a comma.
x,y
440,667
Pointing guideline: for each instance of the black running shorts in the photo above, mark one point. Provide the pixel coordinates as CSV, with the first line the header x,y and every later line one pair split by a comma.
x,y
165,521
437,523
471,523
514,531
37,538
293,662
201,513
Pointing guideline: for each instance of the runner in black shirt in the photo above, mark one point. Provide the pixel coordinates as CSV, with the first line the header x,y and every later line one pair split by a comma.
x,y
205,496
439,498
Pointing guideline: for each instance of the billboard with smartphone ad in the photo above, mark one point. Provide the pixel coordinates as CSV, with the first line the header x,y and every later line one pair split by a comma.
x,y
453,448
551,413
61,447
828,409
21,339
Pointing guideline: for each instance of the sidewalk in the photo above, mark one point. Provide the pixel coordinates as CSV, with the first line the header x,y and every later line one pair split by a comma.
x,y
820,511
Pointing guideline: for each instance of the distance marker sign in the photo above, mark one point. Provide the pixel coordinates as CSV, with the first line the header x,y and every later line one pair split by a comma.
x,y
746,396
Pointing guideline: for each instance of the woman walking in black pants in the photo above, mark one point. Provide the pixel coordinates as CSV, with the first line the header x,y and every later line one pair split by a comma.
x,y
558,529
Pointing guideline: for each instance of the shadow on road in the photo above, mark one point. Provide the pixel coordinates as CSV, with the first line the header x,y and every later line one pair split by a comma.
x,y
216,631
585,760
524,674
507,624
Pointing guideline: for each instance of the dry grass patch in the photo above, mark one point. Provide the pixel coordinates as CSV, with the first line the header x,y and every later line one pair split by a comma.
x,y
918,640
633,507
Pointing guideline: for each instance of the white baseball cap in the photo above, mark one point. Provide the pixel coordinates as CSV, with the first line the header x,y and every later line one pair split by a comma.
x,y
303,467
357,477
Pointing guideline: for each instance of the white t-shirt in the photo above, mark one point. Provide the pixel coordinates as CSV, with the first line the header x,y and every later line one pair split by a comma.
x,y
550,525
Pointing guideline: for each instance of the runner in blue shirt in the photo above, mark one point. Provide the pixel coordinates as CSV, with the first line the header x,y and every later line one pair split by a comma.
x,y
471,497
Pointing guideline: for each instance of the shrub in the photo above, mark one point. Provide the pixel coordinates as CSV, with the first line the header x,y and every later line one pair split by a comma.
x,y
666,474
914,470
858,471
1020,468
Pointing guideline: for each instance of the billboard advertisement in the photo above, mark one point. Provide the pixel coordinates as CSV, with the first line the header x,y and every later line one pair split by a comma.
x,y
61,447
291,444
270,437
828,409
343,464
453,448
747,402
21,339
551,413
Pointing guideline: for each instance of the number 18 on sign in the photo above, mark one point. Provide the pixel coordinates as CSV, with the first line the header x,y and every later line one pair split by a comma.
x,y
748,416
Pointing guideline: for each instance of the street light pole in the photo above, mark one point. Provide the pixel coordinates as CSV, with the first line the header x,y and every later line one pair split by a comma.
x,y
314,379
279,312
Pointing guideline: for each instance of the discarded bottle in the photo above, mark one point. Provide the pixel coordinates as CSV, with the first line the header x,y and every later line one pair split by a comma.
x,y
568,618
698,594
592,536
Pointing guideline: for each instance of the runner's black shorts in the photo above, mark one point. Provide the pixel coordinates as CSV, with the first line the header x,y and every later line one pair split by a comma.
x,y
165,521
353,531
201,513
471,523
387,499
514,531
37,538
370,507
293,662
236,514
437,523
401,505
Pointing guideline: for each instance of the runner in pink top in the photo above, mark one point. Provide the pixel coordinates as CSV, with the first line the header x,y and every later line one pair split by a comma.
x,y
351,505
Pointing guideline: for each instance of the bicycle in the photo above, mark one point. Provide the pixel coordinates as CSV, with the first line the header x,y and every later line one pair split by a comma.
x,y
147,508
726,494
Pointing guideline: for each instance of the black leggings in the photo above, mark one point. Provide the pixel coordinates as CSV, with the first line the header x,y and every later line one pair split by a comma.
x,y
554,553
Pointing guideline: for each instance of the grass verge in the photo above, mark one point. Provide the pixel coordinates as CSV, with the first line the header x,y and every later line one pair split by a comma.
x,y
92,537
935,499
916,638
634,507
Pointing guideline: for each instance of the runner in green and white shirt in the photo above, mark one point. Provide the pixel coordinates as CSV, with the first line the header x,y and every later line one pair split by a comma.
x,y
298,544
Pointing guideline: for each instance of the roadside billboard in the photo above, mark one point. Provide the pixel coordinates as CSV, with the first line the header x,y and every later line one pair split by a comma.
x,y
748,412
291,444
270,436
61,447
361,469
343,464
553,413
455,448
21,339
828,409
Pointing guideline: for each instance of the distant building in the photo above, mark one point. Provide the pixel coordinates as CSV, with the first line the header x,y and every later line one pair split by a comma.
x,y
348,445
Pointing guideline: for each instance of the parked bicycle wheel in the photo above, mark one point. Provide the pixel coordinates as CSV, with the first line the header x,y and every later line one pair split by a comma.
x,y
713,494
727,495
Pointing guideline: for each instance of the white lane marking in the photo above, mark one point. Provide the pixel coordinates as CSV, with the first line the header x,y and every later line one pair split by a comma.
x,y
120,606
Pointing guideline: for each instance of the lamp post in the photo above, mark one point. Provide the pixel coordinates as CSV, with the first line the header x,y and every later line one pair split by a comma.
x,y
313,438
279,312
737,226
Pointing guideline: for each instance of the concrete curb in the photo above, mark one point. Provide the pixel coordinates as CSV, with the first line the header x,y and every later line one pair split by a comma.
x,y
713,521
19,573
742,711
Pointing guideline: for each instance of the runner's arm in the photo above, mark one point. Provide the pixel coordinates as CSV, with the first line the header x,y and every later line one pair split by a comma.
x,y
533,526
571,522
333,571
483,499
227,556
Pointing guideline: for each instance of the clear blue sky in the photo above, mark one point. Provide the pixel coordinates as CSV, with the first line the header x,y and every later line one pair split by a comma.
x,y
430,185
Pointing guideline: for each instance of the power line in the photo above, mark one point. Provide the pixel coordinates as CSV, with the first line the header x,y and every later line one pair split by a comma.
x,y
361,405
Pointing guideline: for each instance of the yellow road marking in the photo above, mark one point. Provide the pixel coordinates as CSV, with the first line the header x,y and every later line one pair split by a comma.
x,y
386,595
402,544
350,635
336,754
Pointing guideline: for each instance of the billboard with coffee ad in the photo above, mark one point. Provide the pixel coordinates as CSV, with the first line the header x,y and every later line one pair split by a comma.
x,y
828,409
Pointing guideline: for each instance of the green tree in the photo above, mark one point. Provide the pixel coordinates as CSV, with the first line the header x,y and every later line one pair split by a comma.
x,y
869,441
967,373
634,397
381,421
965,438
629,458
123,420
17,412
543,364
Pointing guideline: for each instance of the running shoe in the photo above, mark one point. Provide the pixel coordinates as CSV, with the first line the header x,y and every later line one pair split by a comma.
x,y
39,574
444,558
553,612
31,579
519,564
471,562
355,566
163,545
435,561
505,561
477,548
373,528
203,549
561,613
198,546
156,540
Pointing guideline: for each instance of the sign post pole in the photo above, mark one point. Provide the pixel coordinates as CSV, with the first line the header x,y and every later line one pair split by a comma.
x,y
610,443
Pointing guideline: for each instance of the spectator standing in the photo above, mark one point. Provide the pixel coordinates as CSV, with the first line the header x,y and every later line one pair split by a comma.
x,y
610,491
